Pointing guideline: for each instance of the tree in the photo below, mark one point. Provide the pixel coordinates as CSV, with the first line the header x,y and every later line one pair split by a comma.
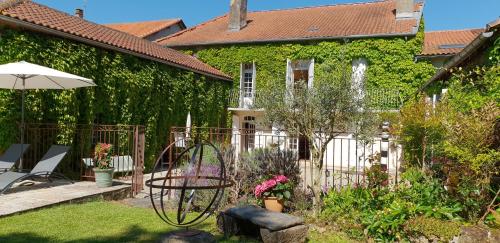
x,y
333,105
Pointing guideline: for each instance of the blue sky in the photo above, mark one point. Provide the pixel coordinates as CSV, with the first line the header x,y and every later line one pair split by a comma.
x,y
439,14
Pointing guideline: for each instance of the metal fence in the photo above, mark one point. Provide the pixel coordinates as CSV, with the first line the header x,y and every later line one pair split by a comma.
x,y
128,144
346,158
377,99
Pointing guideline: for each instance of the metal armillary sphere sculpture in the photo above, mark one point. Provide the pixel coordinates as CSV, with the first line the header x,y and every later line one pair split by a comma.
x,y
194,181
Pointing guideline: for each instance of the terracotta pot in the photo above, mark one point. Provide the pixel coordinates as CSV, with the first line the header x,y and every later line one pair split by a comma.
x,y
273,204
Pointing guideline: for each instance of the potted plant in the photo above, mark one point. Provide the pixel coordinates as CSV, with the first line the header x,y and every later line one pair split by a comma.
x,y
274,191
103,169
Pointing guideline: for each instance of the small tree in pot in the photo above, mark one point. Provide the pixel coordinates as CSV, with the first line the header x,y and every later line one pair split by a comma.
x,y
103,168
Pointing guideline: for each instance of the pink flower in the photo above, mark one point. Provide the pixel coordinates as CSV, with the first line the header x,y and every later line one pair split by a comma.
x,y
258,190
281,179
269,184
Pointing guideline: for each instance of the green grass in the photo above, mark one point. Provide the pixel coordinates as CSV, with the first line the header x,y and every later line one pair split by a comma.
x,y
105,222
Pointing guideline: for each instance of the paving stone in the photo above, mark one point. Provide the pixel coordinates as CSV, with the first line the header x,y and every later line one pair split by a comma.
x,y
23,199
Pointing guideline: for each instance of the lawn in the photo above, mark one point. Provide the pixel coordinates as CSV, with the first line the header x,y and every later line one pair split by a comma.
x,y
104,222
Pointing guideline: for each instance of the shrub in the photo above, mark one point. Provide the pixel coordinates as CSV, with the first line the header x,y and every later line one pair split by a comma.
x,y
383,212
259,164
420,128
432,228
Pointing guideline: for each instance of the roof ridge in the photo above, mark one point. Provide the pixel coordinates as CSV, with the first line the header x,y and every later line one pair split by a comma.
x,y
147,21
322,6
190,29
5,4
434,31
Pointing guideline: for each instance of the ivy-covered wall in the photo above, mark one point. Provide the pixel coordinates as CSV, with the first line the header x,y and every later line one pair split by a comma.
x,y
130,90
391,61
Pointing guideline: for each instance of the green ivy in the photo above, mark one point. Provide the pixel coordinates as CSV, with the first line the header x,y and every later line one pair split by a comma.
x,y
391,61
130,90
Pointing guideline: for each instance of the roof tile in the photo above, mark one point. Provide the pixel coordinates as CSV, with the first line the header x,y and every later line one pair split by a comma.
x,y
43,16
144,29
323,22
435,42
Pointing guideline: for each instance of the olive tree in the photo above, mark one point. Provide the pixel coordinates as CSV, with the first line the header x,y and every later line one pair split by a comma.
x,y
332,106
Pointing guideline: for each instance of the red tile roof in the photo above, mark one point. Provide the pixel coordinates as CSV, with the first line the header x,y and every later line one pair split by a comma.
x,y
147,28
324,22
448,42
42,18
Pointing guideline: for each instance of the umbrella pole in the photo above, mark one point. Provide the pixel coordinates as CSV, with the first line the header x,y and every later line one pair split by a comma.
x,y
22,126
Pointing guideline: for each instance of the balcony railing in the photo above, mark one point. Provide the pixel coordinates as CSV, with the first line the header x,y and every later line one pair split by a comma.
x,y
377,99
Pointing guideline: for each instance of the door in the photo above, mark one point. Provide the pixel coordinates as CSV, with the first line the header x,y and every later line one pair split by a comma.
x,y
304,152
248,133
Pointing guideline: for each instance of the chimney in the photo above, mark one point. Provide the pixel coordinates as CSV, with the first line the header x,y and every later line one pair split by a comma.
x,y
237,15
79,12
405,9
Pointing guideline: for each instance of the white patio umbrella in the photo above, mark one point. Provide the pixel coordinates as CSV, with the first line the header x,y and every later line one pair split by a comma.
x,y
23,75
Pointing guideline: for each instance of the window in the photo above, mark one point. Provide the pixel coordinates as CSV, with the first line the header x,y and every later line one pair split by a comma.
x,y
293,143
248,133
247,79
300,74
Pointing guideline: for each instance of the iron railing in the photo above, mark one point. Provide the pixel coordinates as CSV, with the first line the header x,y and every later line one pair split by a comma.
x,y
346,158
128,144
377,99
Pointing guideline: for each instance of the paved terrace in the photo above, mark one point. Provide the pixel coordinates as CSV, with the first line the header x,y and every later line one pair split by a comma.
x,y
40,195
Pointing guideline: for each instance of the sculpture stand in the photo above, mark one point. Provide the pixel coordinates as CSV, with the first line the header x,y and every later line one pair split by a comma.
x,y
188,236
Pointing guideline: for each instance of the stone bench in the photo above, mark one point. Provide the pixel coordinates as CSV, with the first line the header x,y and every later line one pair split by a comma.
x,y
255,221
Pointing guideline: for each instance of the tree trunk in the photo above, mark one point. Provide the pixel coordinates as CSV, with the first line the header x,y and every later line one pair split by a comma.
x,y
317,159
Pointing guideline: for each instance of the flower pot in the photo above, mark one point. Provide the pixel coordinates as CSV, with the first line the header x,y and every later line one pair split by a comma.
x,y
104,177
273,204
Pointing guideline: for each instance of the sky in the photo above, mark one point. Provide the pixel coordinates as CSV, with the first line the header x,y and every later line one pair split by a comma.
x,y
438,14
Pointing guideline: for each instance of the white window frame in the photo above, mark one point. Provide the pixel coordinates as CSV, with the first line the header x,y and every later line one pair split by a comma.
x,y
249,134
303,65
247,95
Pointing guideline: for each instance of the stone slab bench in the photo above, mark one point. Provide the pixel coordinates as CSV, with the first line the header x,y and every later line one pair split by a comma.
x,y
255,221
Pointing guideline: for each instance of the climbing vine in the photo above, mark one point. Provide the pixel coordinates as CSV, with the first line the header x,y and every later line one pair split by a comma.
x,y
130,90
473,86
391,61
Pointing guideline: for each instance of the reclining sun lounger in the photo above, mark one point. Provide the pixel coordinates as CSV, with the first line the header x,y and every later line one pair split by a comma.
x,y
11,156
44,168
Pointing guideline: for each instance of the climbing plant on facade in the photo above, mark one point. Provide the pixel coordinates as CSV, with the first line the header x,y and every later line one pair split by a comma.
x,y
130,90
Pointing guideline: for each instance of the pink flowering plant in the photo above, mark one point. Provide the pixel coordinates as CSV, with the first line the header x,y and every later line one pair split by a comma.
x,y
102,155
278,186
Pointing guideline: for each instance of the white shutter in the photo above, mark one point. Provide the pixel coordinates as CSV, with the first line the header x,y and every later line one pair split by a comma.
x,y
310,82
240,95
254,77
289,78
359,67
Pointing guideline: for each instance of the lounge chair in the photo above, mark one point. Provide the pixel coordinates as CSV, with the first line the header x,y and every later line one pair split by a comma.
x,y
12,156
44,168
